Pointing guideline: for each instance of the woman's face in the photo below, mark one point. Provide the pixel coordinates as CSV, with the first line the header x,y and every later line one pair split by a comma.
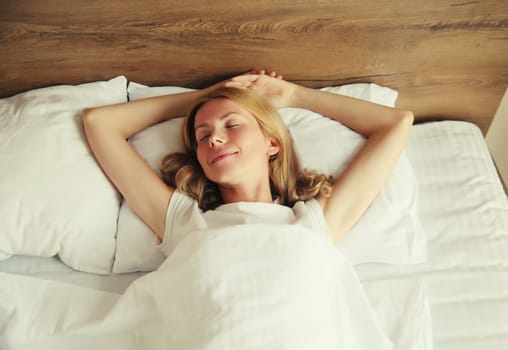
x,y
231,148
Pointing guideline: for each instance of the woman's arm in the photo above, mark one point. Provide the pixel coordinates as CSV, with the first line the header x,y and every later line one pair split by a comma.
x,y
386,130
107,129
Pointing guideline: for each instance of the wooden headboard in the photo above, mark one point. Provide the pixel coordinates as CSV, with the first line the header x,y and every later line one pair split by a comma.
x,y
447,58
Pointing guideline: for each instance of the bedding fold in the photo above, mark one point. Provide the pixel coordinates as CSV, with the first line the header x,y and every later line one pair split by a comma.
x,y
250,286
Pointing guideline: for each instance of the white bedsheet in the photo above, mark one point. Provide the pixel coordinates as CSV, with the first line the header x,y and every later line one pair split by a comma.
x,y
248,286
400,305
465,214
464,211
53,269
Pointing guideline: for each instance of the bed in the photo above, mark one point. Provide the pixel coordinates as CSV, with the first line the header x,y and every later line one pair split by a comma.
x,y
439,276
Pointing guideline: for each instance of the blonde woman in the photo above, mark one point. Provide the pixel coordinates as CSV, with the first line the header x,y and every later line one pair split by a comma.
x,y
238,151
247,234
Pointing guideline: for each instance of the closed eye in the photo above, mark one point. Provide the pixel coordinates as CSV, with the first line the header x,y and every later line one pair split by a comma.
x,y
204,138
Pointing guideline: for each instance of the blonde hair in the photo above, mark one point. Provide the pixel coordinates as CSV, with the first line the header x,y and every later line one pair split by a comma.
x,y
288,182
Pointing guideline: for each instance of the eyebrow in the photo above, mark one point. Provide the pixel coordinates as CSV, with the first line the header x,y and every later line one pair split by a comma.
x,y
204,125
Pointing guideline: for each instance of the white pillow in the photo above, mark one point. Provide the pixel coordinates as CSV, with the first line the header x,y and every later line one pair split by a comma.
x,y
55,199
388,232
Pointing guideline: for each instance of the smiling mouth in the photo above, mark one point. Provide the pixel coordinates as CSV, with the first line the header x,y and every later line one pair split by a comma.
x,y
223,156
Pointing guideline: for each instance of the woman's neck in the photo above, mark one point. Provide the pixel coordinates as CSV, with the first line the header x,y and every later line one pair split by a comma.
x,y
246,193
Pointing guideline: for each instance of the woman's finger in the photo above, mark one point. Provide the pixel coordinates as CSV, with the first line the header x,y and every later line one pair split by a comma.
x,y
245,78
256,71
272,74
242,81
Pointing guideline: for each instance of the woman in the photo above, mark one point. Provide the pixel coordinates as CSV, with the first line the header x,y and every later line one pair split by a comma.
x,y
236,154
247,273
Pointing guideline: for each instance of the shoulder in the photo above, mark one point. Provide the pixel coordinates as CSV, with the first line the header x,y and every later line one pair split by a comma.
x,y
310,214
183,215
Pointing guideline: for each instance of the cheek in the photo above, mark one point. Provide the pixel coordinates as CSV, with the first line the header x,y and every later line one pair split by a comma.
x,y
201,157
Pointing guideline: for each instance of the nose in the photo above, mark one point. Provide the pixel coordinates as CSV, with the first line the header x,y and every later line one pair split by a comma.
x,y
215,138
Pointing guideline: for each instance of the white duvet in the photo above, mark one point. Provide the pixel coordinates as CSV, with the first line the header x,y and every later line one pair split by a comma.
x,y
245,287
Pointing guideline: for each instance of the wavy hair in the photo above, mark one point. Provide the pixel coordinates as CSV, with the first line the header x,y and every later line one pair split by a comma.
x,y
288,182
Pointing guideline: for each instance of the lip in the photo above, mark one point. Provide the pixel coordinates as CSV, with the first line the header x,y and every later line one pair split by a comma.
x,y
223,156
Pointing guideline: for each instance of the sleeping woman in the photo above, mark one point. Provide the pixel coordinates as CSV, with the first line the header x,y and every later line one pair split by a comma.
x,y
238,150
248,235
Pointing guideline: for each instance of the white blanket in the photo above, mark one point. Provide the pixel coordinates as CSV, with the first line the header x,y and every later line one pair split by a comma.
x,y
245,287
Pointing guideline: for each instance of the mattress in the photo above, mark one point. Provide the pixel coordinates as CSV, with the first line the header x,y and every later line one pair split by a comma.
x,y
462,290
53,269
464,211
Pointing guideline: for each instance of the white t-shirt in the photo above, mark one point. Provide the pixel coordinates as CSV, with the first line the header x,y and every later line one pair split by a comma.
x,y
184,216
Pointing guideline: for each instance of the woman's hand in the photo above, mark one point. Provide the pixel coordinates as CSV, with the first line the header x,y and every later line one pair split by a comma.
x,y
270,86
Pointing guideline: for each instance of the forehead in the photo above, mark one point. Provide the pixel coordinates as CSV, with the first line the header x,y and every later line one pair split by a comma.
x,y
217,108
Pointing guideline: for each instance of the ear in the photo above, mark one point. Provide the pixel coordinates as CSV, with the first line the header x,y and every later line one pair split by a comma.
x,y
273,147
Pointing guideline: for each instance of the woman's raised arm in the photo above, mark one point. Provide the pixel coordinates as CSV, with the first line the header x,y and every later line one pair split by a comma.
x,y
386,131
107,129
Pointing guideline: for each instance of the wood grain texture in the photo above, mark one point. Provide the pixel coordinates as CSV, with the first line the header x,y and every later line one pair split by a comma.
x,y
447,59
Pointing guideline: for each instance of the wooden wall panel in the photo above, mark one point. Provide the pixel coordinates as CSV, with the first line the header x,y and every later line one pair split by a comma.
x,y
448,59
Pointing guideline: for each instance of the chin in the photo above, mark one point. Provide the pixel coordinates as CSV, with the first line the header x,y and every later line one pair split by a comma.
x,y
220,177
